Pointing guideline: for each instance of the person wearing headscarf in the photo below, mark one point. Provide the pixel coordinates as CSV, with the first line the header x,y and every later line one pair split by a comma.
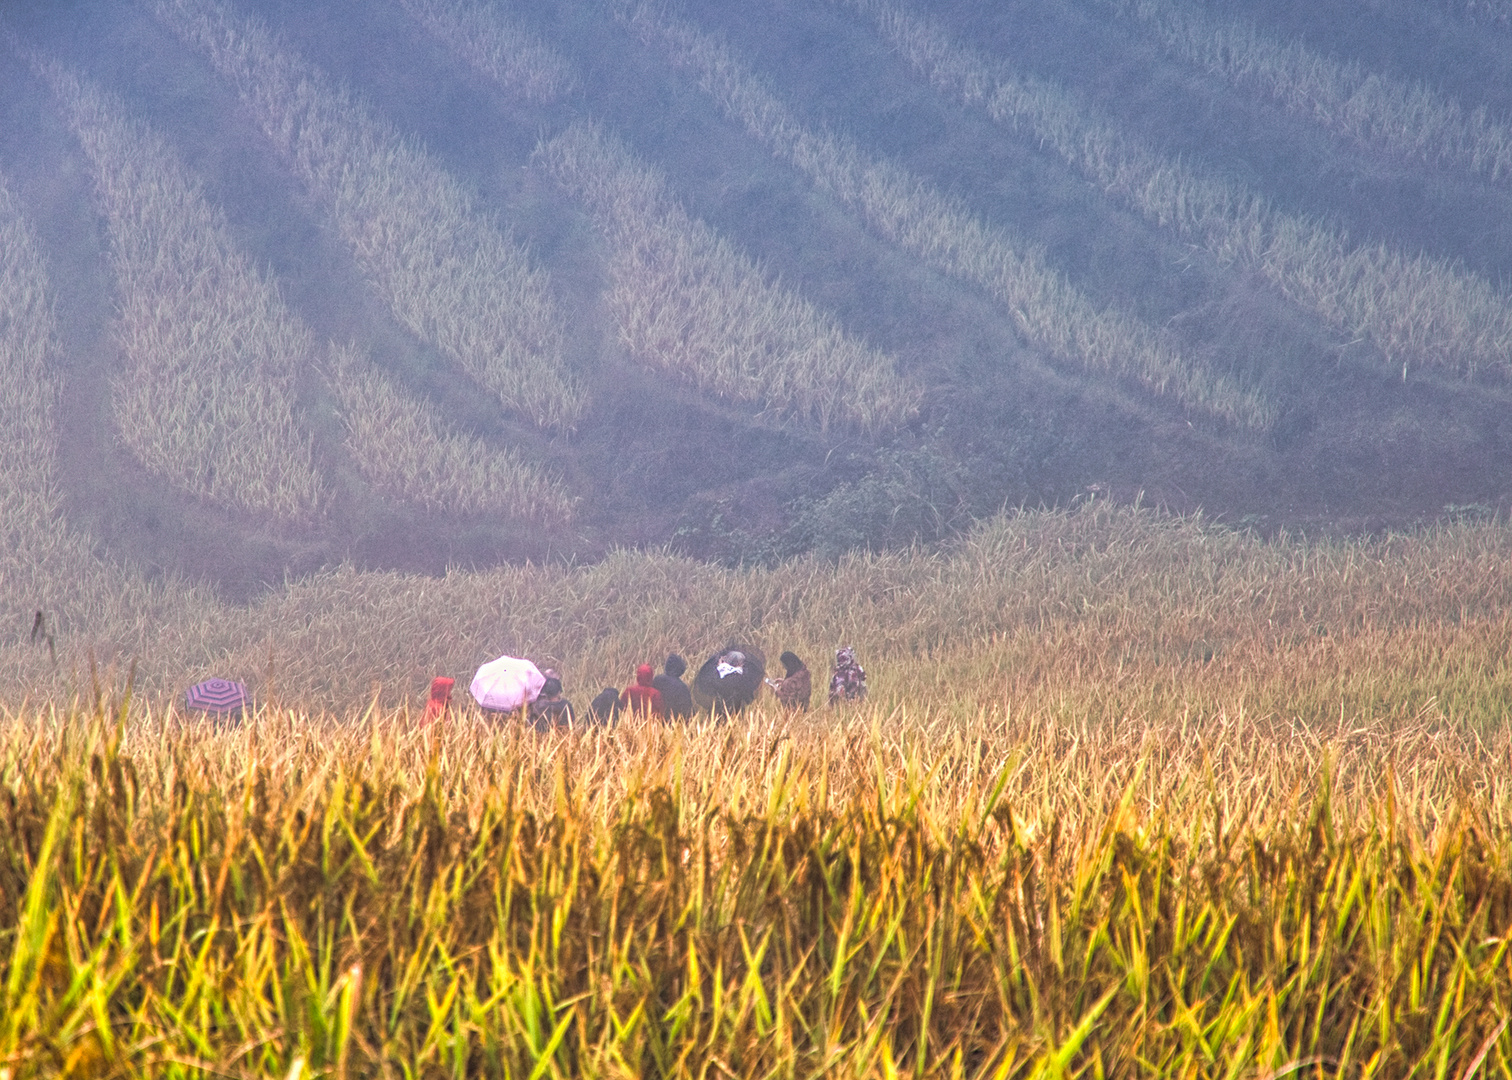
x,y
643,698
796,688
677,699
550,709
848,683
438,704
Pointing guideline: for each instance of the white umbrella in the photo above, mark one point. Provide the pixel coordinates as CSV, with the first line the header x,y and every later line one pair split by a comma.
x,y
505,684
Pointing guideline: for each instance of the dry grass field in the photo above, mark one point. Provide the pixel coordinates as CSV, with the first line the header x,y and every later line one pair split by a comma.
x,y
1131,795
876,891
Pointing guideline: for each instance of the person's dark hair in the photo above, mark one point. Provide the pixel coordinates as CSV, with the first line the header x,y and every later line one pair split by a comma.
x,y
791,663
551,688
676,665
606,706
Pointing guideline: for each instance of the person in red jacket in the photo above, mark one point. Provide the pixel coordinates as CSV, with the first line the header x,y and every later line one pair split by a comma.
x,y
643,698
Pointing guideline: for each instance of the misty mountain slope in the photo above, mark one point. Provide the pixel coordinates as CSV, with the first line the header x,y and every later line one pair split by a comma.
x,y
1384,157
987,311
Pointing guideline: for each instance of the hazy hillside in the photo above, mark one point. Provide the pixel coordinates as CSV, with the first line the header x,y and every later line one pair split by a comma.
x,y
419,283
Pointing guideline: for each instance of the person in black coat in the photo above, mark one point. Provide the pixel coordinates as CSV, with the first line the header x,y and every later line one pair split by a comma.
x,y
729,680
605,708
677,699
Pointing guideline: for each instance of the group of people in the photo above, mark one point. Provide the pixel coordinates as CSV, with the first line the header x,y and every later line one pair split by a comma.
x,y
728,682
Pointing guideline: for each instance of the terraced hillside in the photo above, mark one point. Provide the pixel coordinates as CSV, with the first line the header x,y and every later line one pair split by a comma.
x,y
427,283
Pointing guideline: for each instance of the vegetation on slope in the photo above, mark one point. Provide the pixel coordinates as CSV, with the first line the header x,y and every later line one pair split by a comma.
x,y
1411,120
403,447
1417,310
207,398
691,304
905,211
445,267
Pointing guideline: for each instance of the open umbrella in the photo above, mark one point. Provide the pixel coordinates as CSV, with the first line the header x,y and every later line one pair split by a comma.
x,y
220,696
503,685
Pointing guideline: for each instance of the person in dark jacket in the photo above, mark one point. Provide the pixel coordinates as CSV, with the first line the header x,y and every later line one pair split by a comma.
x,y
796,688
643,699
729,680
605,708
677,699
550,709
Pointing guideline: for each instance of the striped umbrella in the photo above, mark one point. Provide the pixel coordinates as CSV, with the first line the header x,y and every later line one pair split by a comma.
x,y
220,696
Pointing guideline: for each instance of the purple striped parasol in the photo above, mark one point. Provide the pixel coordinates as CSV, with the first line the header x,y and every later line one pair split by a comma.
x,y
220,696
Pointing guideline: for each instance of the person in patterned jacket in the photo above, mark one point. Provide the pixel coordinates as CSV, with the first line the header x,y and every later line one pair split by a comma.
x,y
848,683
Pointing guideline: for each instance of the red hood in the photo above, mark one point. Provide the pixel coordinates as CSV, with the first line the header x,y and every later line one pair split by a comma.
x,y
644,673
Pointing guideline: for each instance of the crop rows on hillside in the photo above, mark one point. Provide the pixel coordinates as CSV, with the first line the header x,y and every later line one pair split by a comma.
x,y
689,303
1410,120
446,269
206,399
1418,311
404,448
482,35
29,497
906,211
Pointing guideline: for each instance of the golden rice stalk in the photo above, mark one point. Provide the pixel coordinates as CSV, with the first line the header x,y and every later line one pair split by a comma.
x,y
446,269
207,397
481,33
404,449
689,303
1409,120
1415,309
1049,310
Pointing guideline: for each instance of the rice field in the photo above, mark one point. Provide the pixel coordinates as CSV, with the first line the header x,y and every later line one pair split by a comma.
x,y
405,448
689,303
1421,313
29,497
448,270
1410,120
869,892
906,211
206,397
495,45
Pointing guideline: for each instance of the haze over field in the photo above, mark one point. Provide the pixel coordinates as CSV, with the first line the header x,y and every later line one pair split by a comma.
x,y
754,279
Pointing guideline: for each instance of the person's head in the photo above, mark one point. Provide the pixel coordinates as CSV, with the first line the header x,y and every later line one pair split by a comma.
x,y
644,674
552,688
734,657
845,657
790,663
676,665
